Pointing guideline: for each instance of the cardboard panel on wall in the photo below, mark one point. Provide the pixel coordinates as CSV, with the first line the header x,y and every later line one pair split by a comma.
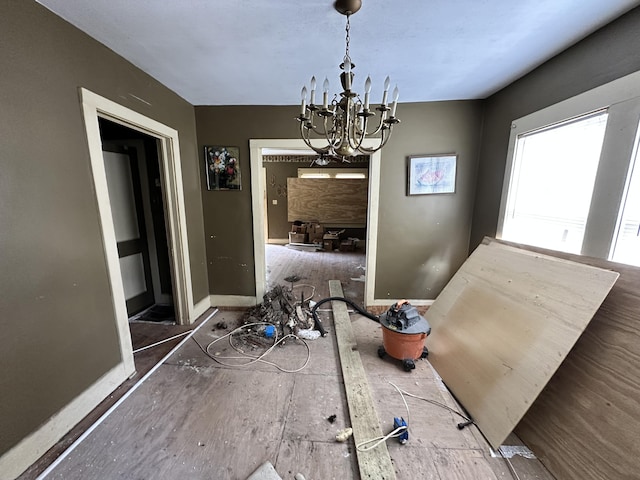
x,y
504,324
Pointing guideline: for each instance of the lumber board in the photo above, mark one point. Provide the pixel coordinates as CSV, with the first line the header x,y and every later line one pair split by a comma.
x,y
585,423
503,325
374,464
327,200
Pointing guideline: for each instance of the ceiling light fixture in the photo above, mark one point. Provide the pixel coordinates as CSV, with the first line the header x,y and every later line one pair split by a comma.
x,y
346,119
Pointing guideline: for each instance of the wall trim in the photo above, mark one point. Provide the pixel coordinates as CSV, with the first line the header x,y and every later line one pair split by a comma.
x,y
32,447
278,241
258,188
218,301
201,307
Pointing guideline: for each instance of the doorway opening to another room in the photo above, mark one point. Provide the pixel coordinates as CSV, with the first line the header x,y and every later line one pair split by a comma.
x,y
126,246
259,184
135,191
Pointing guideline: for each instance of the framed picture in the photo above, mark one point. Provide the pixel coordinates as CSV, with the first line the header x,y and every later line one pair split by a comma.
x,y
223,168
431,174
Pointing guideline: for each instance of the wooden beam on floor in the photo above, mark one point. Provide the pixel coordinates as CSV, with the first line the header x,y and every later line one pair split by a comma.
x,y
374,464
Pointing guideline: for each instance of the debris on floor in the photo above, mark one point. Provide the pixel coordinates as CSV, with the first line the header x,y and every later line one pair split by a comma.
x,y
285,312
344,434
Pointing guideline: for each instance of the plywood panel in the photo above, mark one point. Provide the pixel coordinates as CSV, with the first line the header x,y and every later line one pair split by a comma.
x,y
327,200
585,423
503,325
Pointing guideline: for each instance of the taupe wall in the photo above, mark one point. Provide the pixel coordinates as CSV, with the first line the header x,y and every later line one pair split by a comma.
x,y
278,226
610,53
421,239
58,324
227,214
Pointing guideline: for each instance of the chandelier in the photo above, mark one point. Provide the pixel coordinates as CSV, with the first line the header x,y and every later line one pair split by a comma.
x,y
345,122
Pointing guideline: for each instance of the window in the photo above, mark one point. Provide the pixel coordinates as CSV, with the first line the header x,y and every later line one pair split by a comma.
x,y
572,181
626,247
551,187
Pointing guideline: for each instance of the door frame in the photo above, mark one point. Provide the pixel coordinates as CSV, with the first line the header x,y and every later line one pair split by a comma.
x,y
94,106
258,189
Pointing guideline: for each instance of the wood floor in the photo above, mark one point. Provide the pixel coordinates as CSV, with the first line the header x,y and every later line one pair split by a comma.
x,y
194,418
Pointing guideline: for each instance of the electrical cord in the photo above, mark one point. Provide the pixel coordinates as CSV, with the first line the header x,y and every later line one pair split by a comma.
x,y
162,341
361,447
441,405
364,446
254,359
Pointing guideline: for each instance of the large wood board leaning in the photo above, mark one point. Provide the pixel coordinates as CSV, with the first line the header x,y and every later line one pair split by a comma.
x,y
502,326
585,424
327,200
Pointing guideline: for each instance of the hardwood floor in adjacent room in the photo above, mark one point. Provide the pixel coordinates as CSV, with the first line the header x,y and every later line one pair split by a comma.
x,y
199,417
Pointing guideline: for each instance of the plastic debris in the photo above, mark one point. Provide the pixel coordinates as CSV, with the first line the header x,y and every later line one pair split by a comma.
x,y
309,334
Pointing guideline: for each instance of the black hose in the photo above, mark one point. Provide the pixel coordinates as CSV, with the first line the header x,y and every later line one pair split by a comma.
x,y
356,307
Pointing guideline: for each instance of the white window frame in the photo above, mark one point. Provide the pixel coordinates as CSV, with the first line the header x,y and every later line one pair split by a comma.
x,y
621,98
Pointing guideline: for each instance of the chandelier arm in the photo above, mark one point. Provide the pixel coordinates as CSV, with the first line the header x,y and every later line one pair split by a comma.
x,y
335,134
317,131
304,133
357,135
381,123
383,141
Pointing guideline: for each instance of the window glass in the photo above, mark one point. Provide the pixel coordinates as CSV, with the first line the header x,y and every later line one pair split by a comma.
x,y
554,171
626,248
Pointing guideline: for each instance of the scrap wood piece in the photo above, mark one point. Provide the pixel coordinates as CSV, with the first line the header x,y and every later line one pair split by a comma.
x,y
374,464
504,324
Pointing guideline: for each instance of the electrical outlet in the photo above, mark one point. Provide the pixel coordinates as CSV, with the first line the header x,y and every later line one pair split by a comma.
x,y
275,202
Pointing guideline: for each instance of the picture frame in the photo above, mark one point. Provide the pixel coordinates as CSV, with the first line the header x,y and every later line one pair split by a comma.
x,y
222,167
431,174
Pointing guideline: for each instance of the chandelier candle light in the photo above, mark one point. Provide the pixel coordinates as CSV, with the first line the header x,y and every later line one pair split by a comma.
x,y
345,120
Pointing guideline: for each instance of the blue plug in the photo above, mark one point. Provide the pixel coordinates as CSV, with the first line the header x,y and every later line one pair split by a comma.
x,y
404,436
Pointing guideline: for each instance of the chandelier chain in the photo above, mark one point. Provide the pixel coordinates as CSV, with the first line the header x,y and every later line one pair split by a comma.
x,y
347,28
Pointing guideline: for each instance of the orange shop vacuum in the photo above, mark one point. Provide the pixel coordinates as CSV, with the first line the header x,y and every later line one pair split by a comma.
x,y
404,332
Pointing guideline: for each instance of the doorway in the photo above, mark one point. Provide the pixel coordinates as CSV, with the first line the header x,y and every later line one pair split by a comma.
x,y
135,191
258,188
94,108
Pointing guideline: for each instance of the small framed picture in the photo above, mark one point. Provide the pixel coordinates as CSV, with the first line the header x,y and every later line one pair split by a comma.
x,y
428,174
223,168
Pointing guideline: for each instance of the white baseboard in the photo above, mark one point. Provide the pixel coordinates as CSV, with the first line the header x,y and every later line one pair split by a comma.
x,y
278,241
201,307
232,301
31,448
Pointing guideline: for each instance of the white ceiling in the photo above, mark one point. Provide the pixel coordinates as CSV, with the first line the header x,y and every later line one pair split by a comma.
x,y
261,52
